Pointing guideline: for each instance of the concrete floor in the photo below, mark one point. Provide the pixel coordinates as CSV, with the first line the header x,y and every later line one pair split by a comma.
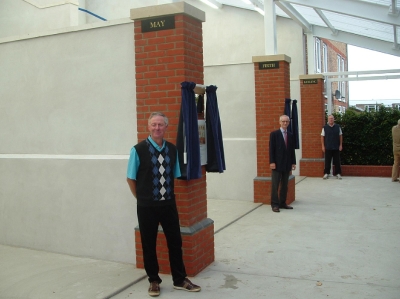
x,y
342,240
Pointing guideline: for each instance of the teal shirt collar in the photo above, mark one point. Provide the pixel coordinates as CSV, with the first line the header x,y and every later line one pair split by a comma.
x,y
155,144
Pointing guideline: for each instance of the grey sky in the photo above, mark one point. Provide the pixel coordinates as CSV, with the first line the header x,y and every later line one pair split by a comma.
x,y
364,60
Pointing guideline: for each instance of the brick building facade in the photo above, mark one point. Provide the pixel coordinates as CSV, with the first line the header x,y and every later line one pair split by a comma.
x,y
331,56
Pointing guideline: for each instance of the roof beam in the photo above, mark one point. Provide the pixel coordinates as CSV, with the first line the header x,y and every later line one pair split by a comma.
x,y
355,8
395,41
257,3
393,9
326,21
357,40
294,15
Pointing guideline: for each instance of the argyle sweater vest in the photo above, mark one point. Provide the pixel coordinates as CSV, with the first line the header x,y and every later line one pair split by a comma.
x,y
155,176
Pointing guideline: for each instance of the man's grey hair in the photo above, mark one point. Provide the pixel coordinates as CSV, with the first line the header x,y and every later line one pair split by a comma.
x,y
159,114
284,115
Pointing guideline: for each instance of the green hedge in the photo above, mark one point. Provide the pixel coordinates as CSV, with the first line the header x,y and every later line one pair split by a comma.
x,y
367,136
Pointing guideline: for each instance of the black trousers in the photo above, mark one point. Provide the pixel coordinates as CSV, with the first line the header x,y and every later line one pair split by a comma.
x,y
167,216
279,178
335,154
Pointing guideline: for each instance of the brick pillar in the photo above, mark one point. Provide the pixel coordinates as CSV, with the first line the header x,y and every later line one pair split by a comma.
x,y
312,121
168,51
272,86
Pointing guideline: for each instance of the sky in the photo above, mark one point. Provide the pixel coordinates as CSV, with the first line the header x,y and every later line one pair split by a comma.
x,y
361,59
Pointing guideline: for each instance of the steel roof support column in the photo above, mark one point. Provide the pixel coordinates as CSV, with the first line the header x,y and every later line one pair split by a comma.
x,y
270,27
310,53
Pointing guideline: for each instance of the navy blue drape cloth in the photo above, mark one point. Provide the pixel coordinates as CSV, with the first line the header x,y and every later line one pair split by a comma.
x,y
215,147
287,112
295,125
187,140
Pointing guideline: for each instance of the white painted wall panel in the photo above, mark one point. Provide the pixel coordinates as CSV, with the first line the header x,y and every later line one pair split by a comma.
x,y
18,17
68,122
70,93
76,207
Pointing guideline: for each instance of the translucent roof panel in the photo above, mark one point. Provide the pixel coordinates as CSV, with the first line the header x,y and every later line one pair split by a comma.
x,y
360,26
310,15
382,2
353,18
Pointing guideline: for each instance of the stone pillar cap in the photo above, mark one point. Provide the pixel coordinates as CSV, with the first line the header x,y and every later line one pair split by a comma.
x,y
311,76
168,9
278,57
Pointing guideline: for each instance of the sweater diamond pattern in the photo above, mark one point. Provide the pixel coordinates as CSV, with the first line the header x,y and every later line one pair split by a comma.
x,y
162,180
162,173
161,169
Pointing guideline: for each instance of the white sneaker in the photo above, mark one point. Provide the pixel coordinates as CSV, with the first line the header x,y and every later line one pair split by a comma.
x,y
325,176
339,177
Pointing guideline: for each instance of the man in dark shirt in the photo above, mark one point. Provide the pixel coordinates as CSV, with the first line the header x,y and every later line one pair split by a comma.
x,y
153,165
331,140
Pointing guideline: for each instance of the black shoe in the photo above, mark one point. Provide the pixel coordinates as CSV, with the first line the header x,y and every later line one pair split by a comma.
x,y
275,209
286,207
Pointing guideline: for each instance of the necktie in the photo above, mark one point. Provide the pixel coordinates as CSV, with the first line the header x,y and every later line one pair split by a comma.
x,y
285,134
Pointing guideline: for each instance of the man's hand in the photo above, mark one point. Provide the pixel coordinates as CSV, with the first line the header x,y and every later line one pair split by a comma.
x,y
293,167
132,186
272,166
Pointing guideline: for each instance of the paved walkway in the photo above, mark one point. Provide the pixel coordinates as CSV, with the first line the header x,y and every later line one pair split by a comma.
x,y
342,240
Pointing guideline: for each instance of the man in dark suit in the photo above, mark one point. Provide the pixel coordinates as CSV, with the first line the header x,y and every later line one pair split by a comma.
x,y
282,161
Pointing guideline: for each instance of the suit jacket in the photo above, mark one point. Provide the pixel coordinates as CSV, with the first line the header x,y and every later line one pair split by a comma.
x,y
283,157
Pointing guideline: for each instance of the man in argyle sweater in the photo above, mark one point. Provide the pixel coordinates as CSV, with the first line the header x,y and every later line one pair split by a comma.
x,y
153,165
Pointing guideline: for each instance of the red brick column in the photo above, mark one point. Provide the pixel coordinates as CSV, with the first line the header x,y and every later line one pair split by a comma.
x,y
312,121
272,86
164,58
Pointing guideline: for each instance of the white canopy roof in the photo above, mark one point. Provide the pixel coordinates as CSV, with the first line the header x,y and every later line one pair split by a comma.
x,y
370,24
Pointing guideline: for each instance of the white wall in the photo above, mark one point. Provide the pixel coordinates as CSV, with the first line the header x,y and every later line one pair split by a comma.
x,y
111,9
18,17
79,207
68,122
235,95
67,87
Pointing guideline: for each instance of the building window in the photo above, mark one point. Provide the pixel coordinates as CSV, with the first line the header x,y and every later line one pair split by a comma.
x,y
344,109
343,90
325,57
370,108
317,55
